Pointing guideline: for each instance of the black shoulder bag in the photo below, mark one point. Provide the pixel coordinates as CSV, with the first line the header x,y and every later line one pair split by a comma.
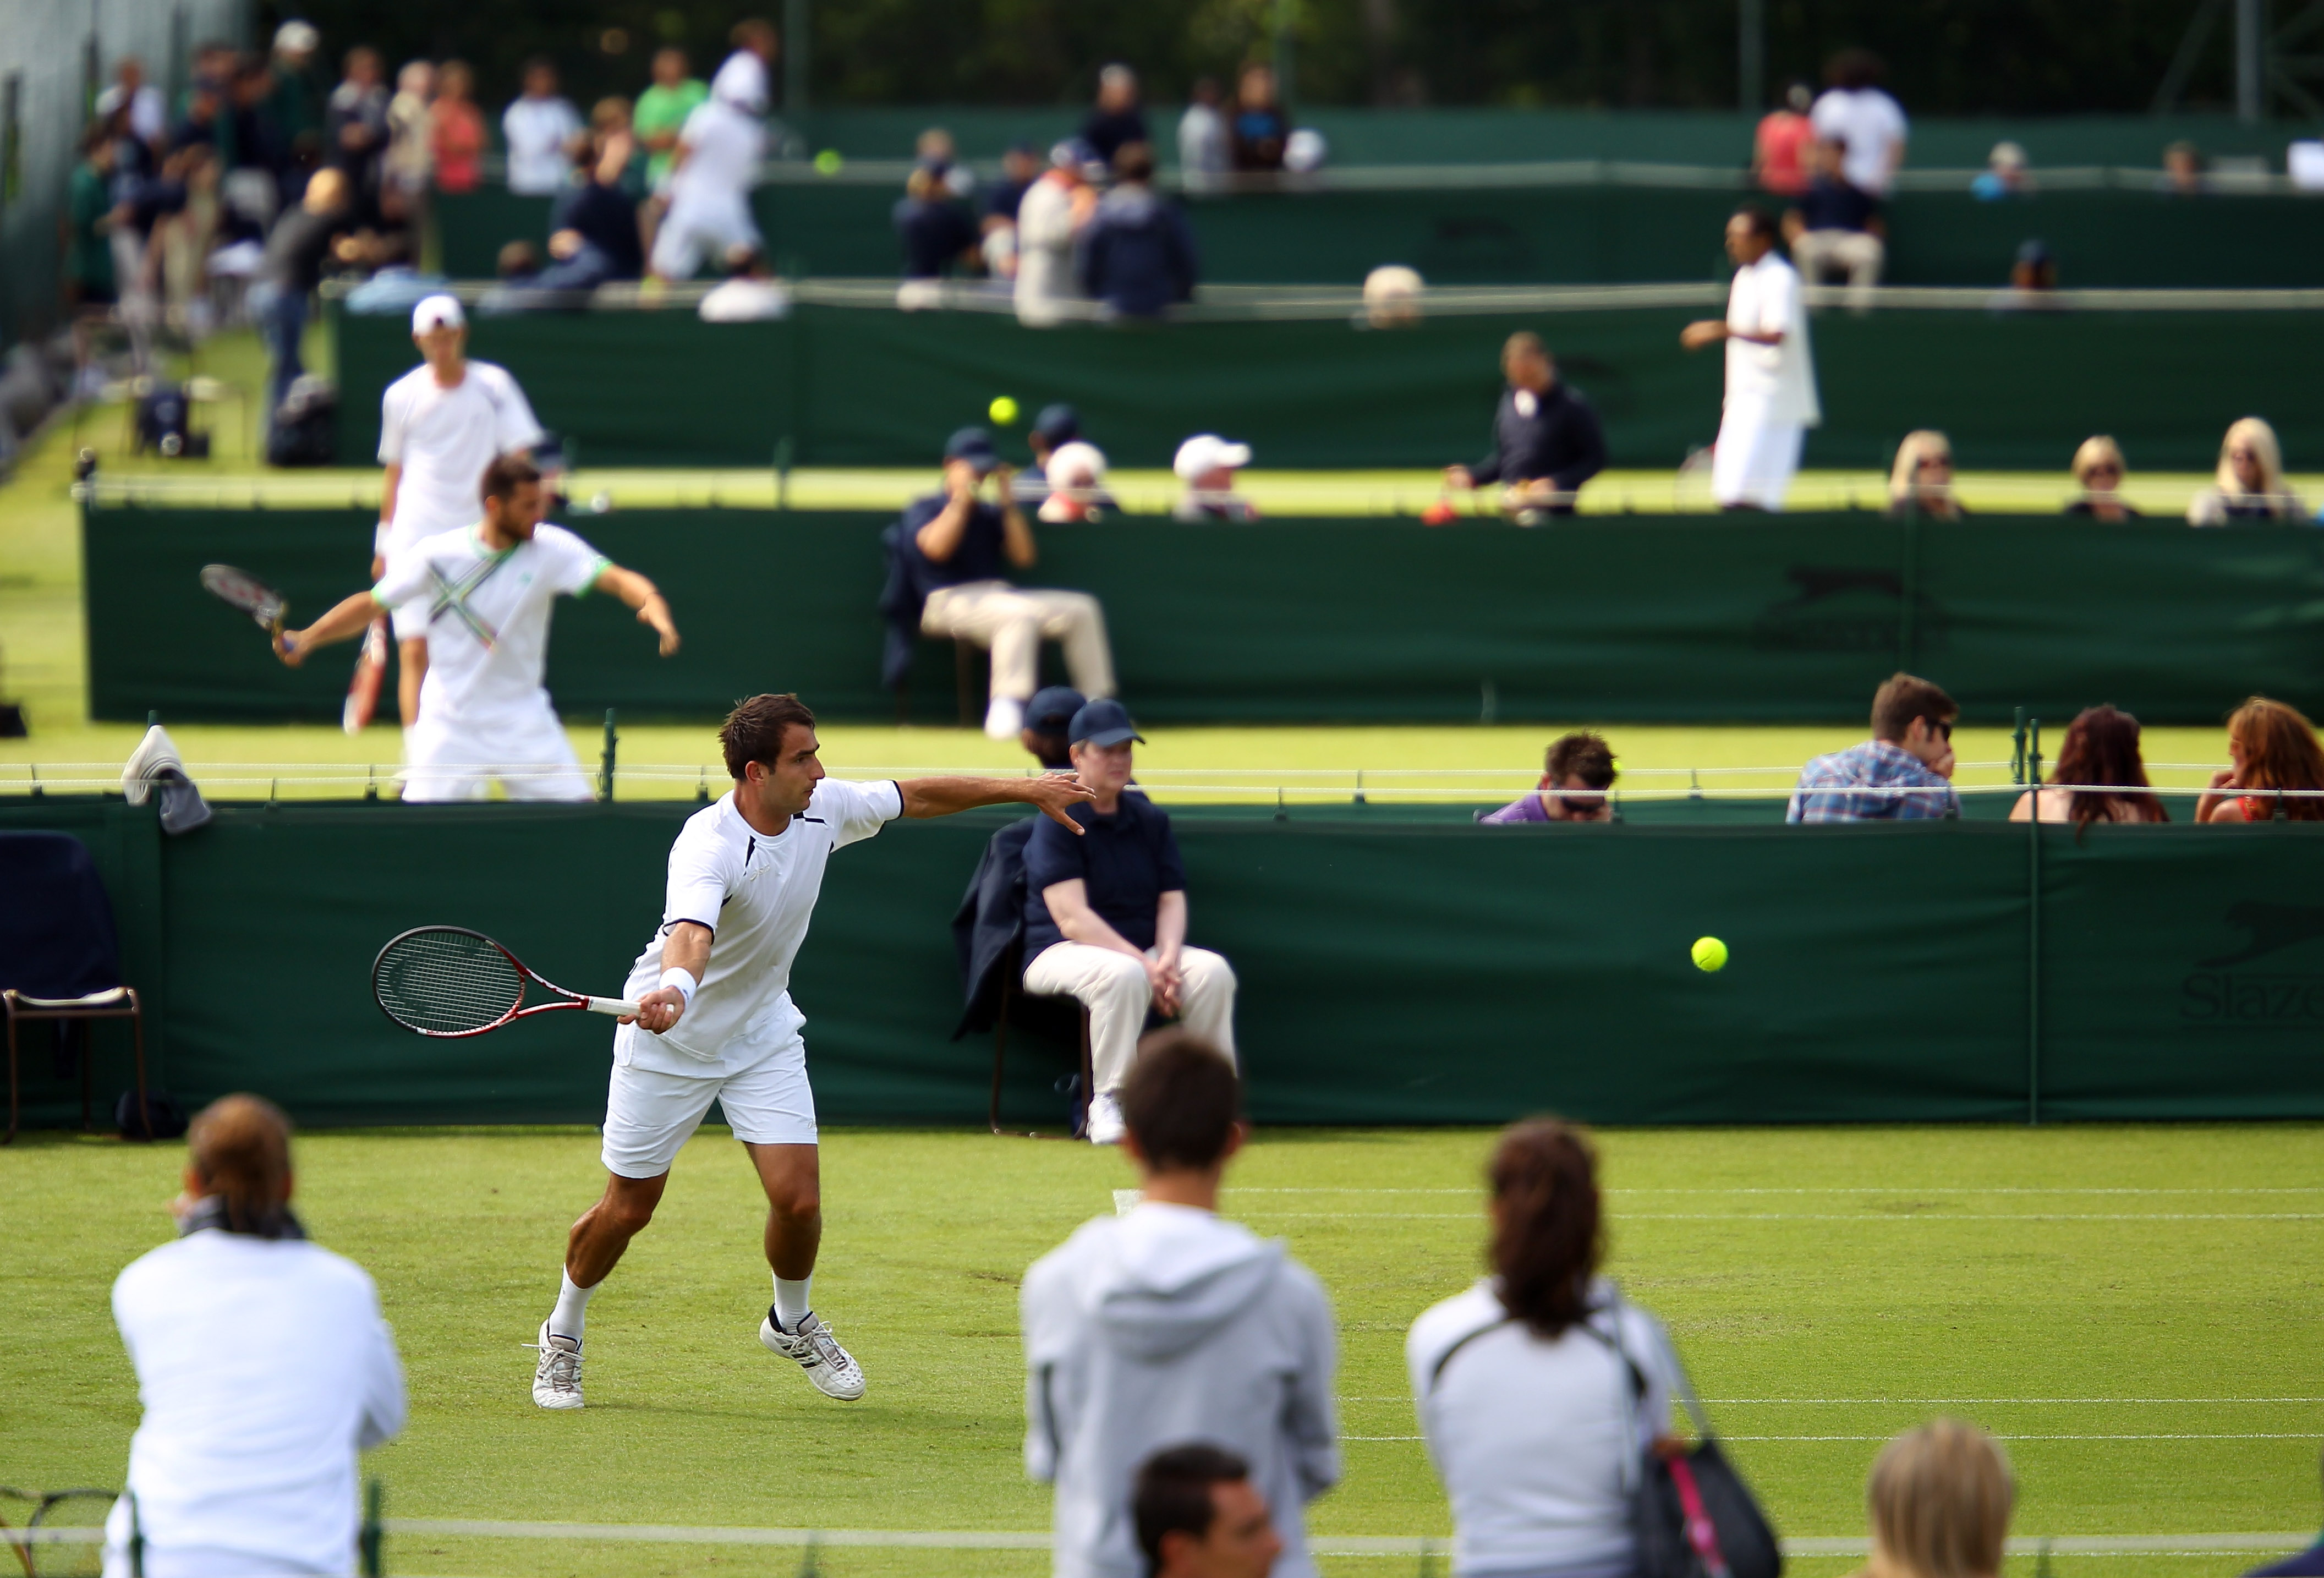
x,y
1691,1512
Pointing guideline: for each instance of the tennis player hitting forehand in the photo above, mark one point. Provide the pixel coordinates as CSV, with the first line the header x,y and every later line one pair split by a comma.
x,y
718,1023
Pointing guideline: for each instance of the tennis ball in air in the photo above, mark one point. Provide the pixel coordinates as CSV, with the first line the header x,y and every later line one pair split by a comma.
x,y
1709,955
828,162
1002,410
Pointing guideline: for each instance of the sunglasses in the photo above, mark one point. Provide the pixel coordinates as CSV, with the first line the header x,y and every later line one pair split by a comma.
x,y
2102,470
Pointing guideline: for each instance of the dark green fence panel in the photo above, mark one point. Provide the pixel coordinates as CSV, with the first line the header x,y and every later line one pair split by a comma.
x,y
1571,234
2015,390
1392,971
1683,618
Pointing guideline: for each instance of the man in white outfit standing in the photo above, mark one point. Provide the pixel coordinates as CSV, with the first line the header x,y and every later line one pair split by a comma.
x,y
1771,390
716,166
439,425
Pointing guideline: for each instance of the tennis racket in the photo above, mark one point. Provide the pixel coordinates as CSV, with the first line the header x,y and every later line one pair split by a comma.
x,y
363,691
59,1535
449,981
246,592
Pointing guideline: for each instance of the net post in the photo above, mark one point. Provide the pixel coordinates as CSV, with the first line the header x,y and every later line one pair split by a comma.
x,y
2033,928
372,1529
606,762
2018,749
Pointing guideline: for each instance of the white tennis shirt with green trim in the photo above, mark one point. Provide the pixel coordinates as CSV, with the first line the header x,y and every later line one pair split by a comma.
x,y
756,894
488,617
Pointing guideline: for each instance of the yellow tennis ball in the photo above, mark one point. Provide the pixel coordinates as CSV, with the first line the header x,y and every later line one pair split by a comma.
x,y
1002,410
1709,955
828,162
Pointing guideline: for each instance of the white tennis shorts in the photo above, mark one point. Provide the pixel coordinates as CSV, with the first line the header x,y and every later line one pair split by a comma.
x,y
459,758
650,1113
699,230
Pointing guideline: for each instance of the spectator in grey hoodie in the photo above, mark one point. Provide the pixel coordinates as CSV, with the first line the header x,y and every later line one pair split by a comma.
x,y
1167,1325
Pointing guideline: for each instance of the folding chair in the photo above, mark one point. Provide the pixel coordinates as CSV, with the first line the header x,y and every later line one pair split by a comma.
x,y
59,960
1012,969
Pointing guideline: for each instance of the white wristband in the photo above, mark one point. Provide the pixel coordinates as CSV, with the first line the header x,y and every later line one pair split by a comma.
x,y
682,980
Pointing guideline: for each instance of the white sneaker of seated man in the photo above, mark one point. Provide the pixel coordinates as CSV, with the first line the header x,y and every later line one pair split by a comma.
x,y
830,1368
557,1378
1004,718
1105,1123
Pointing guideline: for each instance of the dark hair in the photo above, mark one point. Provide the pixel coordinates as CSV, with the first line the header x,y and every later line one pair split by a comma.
x,y
2101,747
505,474
1172,1494
240,1148
1548,1237
1134,162
1762,222
1851,70
536,63
1582,754
750,28
1182,1101
1052,747
1901,698
753,731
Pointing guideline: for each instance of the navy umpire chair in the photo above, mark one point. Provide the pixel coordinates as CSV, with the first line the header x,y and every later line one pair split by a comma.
x,y
59,960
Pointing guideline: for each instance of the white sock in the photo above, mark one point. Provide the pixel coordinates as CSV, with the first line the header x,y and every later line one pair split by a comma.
x,y
571,1311
792,1304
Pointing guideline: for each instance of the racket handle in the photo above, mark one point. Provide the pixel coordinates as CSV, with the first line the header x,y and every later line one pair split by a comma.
x,y
615,1006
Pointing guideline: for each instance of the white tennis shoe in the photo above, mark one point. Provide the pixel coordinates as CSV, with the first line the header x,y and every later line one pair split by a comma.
x,y
830,1368
557,1378
1105,1124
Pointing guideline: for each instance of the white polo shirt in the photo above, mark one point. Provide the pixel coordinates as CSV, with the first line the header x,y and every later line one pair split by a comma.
x,y
262,1366
757,895
1770,384
488,617
722,144
444,439
1871,124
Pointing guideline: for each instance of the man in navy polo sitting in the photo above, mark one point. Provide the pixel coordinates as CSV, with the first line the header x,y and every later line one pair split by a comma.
x,y
1105,919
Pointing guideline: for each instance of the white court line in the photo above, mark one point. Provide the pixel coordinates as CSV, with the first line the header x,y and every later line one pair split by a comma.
x,y
2264,1435
1833,1189
1848,1402
1836,1215
1319,1544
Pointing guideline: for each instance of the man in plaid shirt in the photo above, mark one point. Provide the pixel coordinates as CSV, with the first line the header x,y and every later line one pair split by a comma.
x,y
1904,773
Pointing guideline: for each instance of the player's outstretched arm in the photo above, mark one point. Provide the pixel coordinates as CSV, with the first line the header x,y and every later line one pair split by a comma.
x,y
350,618
639,593
1053,792
686,950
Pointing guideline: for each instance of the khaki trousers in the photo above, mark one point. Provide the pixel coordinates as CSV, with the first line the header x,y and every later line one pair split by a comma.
x,y
1012,622
1114,989
1854,253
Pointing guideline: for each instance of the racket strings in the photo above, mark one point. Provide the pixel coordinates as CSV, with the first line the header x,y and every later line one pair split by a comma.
x,y
445,982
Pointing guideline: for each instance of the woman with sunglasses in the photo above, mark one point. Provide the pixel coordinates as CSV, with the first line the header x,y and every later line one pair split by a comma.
x,y
2098,469
1920,483
2250,484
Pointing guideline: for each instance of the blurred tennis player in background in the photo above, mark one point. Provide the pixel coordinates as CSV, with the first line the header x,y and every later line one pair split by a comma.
x,y
488,591
263,1365
717,1021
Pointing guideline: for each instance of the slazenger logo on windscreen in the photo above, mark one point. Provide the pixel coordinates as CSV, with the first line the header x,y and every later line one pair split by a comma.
x,y
2227,989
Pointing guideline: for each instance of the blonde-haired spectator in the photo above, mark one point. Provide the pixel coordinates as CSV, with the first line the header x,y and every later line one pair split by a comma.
x,y
2250,484
2099,470
412,129
1940,1499
1076,478
1920,483
1392,293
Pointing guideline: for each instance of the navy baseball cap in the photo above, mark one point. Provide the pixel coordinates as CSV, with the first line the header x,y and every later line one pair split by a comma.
x,y
1105,722
974,445
1057,423
1051,711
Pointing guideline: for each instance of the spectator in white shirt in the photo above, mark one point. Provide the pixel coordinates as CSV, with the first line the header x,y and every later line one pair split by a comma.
x,y
264,1366
1771,392
539,129
1202,136
1539,1390
1854,110
1055,210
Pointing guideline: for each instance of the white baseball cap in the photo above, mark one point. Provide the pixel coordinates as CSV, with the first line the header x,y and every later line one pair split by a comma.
x,y
296,38
439,311
1208,452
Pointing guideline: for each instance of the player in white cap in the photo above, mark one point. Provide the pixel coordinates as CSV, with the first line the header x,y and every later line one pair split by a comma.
x,y
440,425
717,163
1207,465
486,592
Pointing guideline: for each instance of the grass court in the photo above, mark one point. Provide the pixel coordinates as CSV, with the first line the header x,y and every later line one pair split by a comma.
x,y
2131,1308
